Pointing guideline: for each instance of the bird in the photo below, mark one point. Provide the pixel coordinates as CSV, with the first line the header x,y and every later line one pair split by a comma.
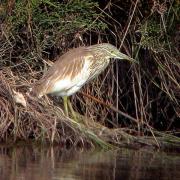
x,y
74,69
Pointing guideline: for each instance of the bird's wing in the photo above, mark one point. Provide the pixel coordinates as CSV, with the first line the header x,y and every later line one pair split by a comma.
x,y
67,67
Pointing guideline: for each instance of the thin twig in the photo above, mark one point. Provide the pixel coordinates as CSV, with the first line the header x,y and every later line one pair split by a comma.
x,y
130,20
109,106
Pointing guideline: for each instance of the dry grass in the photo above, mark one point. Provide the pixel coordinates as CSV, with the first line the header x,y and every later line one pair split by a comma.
x,y
43,121
40,120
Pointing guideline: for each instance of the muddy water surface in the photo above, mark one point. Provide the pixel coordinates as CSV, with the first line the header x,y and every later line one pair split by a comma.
x,y
40,163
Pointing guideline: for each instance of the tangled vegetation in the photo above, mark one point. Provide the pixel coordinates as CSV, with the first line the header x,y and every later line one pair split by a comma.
x,y
126,104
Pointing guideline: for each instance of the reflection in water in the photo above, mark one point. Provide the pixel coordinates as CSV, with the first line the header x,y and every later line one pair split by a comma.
x,y
37,163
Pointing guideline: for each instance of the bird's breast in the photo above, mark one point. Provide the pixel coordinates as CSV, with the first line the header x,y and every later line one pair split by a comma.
x,y
97,67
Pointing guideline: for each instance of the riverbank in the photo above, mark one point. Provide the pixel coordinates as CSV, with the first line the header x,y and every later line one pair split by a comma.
x,y
135,105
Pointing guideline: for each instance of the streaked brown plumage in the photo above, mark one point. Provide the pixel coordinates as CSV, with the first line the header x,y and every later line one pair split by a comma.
x,y
75,68
66,66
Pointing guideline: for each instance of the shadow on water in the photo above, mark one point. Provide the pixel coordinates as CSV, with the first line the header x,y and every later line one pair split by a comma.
x,y
37,163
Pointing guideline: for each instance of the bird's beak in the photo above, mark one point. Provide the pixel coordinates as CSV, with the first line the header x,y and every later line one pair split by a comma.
x,y
124,56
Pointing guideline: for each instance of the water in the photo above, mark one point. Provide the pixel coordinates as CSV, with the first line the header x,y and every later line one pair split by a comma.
x,y
37,163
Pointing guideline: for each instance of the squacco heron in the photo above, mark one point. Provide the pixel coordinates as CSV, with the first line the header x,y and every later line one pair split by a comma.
x,y
74,69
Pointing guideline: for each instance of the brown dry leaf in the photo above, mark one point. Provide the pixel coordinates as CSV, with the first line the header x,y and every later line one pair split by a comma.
x,y
19,98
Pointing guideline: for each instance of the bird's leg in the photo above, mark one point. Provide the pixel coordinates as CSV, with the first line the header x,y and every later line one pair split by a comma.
x,y
65,100
72,110
67,104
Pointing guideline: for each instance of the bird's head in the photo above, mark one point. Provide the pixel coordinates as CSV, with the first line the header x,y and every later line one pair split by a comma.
x,y
111,51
